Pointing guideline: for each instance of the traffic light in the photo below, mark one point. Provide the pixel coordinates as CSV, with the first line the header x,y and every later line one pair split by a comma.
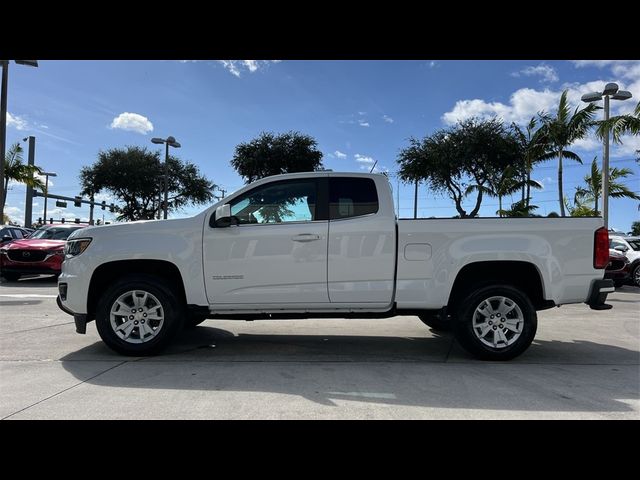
x,y
77,220
104,204
62,219
77,202
112,208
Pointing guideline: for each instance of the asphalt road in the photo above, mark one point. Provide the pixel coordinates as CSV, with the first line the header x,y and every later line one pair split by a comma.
x,y
583,365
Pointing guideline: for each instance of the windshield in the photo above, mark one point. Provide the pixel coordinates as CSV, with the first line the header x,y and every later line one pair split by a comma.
x,y
635,244
59,233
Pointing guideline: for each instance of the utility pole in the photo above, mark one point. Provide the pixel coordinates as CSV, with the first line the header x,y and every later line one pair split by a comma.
x,y
3,131
415,201
28,202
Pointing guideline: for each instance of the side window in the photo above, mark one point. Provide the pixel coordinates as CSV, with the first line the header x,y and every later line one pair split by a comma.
x,y
17,233
352,197
279,202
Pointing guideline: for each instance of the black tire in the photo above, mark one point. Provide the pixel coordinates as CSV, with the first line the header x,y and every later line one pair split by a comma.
x,y
435,323
11,276
193,319
173,309
464,331
635,278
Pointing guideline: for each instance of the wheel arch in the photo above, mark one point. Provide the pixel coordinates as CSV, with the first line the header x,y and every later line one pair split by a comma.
x,y
109,272
521,274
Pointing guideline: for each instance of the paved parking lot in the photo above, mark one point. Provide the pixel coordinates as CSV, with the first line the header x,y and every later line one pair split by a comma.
x,y
583,364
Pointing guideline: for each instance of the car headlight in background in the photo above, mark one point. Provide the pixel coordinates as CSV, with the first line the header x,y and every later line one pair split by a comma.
x,y
75,247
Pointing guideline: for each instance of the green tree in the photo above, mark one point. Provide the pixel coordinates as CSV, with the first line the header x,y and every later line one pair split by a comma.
x,y
521,208
620,125
509,182
275,154
562,130
460,160
635,228
535,147
17,171
592,192
135,176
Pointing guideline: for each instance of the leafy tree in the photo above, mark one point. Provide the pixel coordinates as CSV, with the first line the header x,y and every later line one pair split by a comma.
x,y
508,182
535,147
553,215
562,130
593,189
580,209
271,154
521,208
17,171
460,160
619,125
635,228
135,176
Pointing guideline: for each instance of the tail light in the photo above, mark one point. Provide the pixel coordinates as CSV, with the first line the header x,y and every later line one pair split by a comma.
x,y
601,248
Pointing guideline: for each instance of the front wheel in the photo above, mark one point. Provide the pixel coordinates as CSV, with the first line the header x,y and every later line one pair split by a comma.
x,y
496,322
139,315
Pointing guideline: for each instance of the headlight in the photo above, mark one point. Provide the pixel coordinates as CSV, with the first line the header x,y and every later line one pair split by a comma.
x,y
74,247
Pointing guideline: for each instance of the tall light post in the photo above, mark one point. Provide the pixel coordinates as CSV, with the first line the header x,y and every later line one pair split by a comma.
x,y
3,121
28,202
169,142
46,192
610,91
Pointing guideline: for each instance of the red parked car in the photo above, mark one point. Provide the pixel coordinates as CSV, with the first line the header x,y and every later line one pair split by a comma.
x,y
41,253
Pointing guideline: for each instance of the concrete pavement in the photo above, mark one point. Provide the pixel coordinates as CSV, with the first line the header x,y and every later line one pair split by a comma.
x,y
583,364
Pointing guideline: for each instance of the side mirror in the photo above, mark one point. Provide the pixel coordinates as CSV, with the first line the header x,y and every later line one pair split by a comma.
x,y
621,248
223,216
6,238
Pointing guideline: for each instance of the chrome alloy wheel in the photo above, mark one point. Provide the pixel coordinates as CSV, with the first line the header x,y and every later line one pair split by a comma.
x,y
136,316
636,276
498,322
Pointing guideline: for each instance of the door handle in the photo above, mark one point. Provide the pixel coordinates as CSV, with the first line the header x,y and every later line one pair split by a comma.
x,y
305,237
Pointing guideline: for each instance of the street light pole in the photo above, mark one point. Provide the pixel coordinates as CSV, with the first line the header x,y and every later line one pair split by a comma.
x,y
28,202
46,192
610,90
605,168
3,122
166,180
169,142
3,132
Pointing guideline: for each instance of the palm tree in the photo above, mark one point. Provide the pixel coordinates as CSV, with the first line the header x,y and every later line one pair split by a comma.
x,y
561,131
620,124
506,183
521,208
593,190
17,171
534,145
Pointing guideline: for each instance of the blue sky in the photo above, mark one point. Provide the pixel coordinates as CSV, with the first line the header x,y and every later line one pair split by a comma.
x,y
359,111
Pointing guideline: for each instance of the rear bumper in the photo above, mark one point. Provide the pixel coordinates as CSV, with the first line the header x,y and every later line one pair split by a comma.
x,y
598,294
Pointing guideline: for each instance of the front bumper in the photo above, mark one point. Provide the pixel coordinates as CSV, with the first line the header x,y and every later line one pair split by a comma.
x,y
598,295
80,319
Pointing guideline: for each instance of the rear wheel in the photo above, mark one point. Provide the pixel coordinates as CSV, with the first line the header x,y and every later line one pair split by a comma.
x,y
139,315
496,322
635,276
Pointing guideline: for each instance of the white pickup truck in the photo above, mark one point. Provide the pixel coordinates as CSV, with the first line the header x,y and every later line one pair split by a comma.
x,y
328,244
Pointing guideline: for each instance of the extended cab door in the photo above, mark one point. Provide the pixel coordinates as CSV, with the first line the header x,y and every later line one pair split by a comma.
x,y
277,254
362,241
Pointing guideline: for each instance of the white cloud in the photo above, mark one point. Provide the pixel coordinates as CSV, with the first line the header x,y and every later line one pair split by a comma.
x,y
546,72
432,64
133,122
339,154
17,122
236,67
364,160
362,123
387,119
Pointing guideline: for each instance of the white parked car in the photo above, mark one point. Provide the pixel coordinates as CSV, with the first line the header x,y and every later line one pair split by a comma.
x,y
328,244
630,246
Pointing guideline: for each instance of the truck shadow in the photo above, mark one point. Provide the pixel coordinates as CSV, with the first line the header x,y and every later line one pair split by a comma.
x,y
419,372
30,281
